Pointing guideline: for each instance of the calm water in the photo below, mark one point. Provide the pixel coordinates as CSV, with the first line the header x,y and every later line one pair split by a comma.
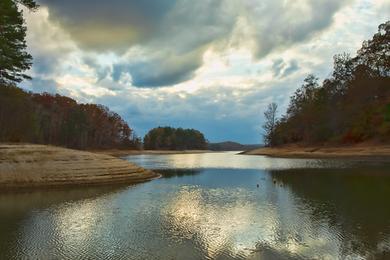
x,y
208,206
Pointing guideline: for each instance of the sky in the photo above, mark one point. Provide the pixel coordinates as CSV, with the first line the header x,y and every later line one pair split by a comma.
x,y
212,65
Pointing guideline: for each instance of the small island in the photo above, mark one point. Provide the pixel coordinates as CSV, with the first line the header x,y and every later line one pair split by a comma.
x,y
168,138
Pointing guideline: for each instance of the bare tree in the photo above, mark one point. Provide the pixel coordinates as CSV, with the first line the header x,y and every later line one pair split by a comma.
x,y
269,124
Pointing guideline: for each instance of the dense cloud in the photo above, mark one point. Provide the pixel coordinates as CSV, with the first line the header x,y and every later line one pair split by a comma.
x,y
115,24
163,70
213,65
174,34
279,24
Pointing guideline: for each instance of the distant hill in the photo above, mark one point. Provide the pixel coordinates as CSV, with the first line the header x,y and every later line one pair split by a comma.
x,y
232,146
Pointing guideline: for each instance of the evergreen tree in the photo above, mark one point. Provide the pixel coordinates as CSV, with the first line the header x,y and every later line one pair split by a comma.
x,y
14,59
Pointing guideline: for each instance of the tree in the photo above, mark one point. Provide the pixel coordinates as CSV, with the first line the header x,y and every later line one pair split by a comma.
x,y
270,124
375,53
350,106
168,138
14,59
343,68
302,96
60,120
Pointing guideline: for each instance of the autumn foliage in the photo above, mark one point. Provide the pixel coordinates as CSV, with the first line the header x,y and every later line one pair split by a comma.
x,y
351,106
60,120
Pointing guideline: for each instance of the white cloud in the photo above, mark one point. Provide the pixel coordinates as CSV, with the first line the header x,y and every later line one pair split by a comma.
x,y
218,73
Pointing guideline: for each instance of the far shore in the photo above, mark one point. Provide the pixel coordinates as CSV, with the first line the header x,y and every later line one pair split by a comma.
x,y
121,153
31,165
300,151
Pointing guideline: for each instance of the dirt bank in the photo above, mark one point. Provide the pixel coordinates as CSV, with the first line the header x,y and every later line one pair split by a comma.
x,y
362,150
28,165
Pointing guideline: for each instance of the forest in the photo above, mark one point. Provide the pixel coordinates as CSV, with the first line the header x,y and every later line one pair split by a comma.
x,y
168,138
351,106
45,118
60,120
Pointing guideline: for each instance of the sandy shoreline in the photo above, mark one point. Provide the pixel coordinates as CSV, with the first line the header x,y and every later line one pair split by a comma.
x,y
28,165
296,151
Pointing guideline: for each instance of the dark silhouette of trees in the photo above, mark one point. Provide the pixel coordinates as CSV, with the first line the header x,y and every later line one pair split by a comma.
x,y
269,124
17,122
168,138
14,59
353,105
60,120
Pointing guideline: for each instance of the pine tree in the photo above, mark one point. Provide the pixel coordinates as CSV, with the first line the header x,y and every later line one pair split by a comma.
x,y
14,59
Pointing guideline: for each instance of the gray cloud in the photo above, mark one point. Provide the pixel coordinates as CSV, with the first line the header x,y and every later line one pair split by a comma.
x,y
279,24
291,68
277,67
179,36
171,31
101,71
282,69
164,70
115,24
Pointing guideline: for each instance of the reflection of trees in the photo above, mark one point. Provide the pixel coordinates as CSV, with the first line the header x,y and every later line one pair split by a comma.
x,y
170,173
24,201
264,251
353,200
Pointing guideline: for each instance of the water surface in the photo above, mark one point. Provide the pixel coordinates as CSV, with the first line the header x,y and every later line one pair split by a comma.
x,y
208,206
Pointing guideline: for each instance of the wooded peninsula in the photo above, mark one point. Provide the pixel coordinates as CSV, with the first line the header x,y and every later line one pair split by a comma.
x,y
350,107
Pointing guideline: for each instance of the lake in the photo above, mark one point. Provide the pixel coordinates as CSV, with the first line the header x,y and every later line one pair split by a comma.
x,y
210,206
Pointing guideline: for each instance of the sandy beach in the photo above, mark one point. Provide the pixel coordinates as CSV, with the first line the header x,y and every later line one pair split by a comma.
x,y
29,165
297,151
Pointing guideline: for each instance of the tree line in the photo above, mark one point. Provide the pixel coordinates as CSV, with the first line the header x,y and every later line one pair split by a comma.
x,y
45,118
168,138
60,120
351,106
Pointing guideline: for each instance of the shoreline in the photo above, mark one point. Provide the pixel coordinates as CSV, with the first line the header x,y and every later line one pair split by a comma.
x,y
32,166
323,152
122,153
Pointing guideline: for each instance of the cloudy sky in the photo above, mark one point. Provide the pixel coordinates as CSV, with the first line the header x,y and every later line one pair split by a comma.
x,y
213,65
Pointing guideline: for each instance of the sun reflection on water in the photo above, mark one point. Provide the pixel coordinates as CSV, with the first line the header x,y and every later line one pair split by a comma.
x,y
76,224
242,227
216,228
229,160
207,213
